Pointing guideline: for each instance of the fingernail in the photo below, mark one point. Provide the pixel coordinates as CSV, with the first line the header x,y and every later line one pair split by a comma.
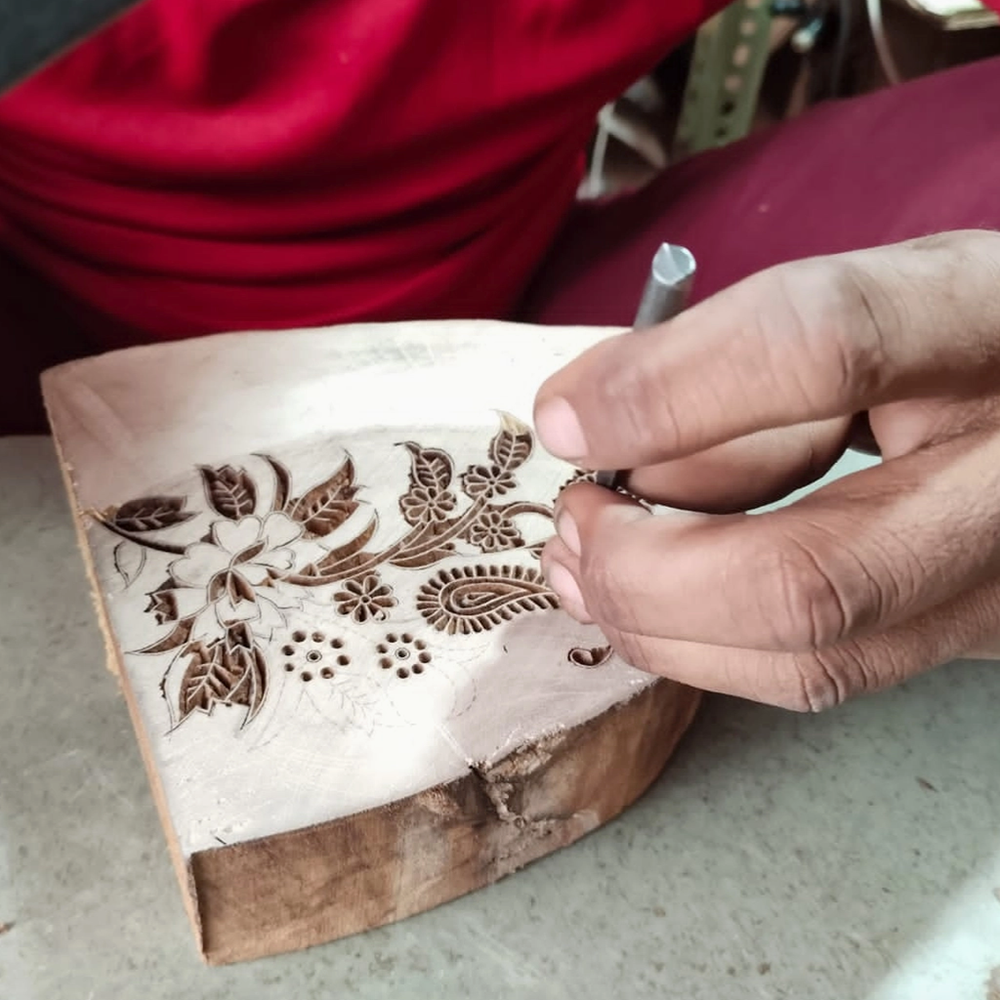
x,y
568,591
567,530
559,430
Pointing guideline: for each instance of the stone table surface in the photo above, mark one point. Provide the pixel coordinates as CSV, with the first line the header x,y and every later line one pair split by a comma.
x,y
854,854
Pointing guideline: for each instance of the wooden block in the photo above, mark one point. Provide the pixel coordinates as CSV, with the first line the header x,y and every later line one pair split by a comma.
x,y
315,556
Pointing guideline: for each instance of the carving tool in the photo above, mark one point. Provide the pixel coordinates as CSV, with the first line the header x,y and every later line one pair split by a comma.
x,y
666,294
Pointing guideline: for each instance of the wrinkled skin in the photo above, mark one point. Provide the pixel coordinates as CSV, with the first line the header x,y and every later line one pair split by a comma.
x,y
753,393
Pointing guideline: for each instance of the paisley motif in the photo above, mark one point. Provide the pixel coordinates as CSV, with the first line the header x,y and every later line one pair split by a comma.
x,y
473,599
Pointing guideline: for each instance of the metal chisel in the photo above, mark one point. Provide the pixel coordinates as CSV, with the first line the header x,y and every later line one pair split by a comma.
x,y
666,294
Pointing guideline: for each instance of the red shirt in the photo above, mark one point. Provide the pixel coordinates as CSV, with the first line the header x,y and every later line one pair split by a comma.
x,y
206,165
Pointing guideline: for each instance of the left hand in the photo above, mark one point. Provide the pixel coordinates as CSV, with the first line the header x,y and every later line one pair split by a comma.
x,y
752,393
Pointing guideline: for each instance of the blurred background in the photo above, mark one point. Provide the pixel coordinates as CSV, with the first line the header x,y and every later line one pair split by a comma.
x,y
760,62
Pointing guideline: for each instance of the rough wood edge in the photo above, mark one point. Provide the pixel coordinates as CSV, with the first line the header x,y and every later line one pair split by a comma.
x,y
293,890
115,665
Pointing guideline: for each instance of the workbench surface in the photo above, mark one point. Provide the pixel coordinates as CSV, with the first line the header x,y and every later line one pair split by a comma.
x,y
850,855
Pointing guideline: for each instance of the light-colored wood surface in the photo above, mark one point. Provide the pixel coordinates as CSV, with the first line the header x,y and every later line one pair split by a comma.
x,y
316,561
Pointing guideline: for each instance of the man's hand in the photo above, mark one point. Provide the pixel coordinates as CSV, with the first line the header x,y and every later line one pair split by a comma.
x,y
751,394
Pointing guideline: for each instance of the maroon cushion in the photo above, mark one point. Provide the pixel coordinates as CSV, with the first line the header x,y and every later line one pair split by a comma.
x,y
899,163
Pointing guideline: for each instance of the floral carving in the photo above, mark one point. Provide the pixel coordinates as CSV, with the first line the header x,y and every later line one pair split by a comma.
x,y
367,599
231,586
236,570
487,481
421,504
493,531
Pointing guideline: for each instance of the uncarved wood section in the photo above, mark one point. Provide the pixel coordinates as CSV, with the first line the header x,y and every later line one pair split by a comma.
x,y
309,886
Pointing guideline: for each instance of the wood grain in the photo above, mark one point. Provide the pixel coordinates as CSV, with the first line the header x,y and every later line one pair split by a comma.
x,y
309,886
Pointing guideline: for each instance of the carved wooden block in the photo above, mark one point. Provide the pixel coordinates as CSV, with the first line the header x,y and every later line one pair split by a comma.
x,y
315,557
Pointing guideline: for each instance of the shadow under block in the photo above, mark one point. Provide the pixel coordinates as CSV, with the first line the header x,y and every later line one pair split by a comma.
x,y
315,557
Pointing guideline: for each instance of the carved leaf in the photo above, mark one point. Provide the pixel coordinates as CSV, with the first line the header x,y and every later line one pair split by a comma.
x,y
177,638
150,514
231,670
512,444
129,560
350,554
202,685
326,507
589,658
431,468
231,492
426,557
282,482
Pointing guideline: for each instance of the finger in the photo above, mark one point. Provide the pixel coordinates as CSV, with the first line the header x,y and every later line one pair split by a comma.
x,y
559,568
862,553
804,341
747,472
989,651
815,681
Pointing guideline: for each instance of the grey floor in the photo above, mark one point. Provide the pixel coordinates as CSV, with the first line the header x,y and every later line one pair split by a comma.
x,y
851,855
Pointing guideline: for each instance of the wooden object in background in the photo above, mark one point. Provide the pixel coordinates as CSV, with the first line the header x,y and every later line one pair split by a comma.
x,y
315,557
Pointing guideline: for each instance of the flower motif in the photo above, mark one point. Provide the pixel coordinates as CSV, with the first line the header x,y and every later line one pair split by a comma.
x,y
493,532
419,505
487,480
232,577
368,598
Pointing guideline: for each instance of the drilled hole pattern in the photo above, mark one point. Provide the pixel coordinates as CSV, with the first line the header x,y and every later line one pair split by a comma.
x,y
312,654
405,652
308,651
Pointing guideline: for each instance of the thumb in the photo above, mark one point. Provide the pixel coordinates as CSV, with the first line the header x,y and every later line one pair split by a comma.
x,y
801,342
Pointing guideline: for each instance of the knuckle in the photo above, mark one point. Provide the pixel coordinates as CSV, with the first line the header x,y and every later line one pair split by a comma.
x,y
837,318
644,405
645,410
606,584
828,678
804,606
863,316
820,683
